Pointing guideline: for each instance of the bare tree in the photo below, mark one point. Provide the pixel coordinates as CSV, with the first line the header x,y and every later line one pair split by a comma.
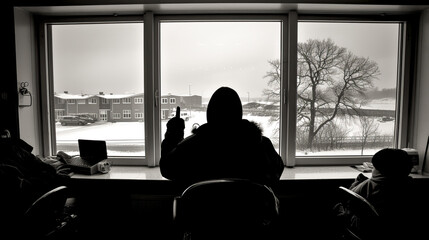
x,y
272,93
330,81
274,76
332,135
368,127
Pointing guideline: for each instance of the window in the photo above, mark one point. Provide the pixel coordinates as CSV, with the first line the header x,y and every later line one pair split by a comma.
x,y
138,115
347,82
127,114
340,99
99,58
116,116
92,101
138,100
126,101
197,57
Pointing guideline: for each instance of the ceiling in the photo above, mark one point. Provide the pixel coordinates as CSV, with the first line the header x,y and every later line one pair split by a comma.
x,y
222,8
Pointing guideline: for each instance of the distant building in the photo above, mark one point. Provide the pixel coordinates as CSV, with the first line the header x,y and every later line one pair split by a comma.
x,y
185,102
121,107
118,107
70,104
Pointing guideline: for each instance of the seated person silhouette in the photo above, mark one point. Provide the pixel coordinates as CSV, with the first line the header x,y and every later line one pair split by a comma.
x,y
227,146
390,189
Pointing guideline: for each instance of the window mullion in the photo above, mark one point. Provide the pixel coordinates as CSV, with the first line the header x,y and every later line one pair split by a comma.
x,y
149,90
47,106
289,89
157,89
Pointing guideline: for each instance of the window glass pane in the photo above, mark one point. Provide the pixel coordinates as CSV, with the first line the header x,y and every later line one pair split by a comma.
x,y
199,57
98,70
346,87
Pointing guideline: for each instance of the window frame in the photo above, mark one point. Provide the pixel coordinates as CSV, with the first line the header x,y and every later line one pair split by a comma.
x,y
152,100
282,18
406,69
43,24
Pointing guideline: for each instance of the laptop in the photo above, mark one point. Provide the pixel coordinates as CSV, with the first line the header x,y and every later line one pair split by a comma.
x,y
91,152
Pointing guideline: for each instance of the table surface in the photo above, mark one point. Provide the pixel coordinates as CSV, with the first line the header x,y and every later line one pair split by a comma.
x,y
296,173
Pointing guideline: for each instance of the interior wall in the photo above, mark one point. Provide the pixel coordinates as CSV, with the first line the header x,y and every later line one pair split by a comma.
x,y
29,124
26,72
8,94
422,112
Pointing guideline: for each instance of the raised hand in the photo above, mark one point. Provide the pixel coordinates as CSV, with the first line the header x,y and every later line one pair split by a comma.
x,y
175,126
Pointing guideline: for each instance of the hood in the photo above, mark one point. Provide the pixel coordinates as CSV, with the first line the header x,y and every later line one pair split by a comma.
x,y
224,107
392,163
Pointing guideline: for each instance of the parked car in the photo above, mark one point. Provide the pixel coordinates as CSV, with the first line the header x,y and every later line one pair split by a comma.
x,y
87,117
72,120
183,115
386,119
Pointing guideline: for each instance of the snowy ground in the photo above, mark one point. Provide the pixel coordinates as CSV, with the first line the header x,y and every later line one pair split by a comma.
x,y
127,138
132,133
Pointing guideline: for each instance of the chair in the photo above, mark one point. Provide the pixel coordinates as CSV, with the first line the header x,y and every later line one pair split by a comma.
x,y
360,220
47,217
225,209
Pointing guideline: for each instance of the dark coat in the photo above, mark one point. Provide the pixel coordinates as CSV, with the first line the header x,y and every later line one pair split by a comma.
x,y
396,201
384,193
24,177
235,151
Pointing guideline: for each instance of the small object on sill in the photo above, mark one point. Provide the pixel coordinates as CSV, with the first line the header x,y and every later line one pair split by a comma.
x,y
368,165
103,167
362,168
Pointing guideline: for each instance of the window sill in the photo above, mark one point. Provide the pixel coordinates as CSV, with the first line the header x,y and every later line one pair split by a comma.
x,y
296,173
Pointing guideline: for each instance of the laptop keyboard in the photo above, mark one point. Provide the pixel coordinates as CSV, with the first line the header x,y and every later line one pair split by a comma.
x,y
77,161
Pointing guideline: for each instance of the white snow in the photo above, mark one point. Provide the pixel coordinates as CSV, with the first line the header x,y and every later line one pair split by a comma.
x,y
133,132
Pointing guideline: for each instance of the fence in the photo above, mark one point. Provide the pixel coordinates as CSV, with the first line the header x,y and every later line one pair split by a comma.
x,y
354,142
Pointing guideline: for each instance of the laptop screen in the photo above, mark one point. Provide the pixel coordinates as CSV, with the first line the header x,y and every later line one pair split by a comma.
x,y
92,150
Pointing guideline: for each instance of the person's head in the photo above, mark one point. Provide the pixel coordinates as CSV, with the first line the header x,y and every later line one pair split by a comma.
x,y
224,107
392,162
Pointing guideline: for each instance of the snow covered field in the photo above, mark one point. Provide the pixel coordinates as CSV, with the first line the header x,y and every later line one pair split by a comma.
x,y
132,133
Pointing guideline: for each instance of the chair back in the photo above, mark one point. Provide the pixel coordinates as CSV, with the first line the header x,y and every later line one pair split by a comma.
x,y
361,220
44,216
225,209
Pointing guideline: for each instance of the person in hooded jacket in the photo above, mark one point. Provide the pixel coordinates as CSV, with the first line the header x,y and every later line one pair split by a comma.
x,y
390,179
227,146
391,190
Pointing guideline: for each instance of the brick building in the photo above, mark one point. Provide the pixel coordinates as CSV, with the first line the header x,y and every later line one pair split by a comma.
x,y
118,107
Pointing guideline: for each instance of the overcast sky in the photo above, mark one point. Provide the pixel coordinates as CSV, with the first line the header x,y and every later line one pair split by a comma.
x,y
198,58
